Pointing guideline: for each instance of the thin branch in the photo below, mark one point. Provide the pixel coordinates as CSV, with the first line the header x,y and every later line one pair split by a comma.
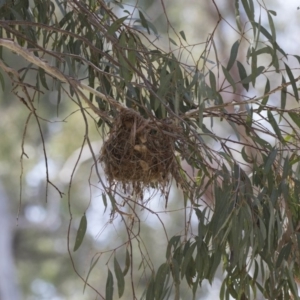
x,y
30,57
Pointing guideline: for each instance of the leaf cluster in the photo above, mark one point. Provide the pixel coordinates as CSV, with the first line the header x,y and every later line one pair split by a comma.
x,y
251,226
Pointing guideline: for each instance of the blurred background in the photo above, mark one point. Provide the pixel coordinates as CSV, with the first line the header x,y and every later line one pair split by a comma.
x,y
34,217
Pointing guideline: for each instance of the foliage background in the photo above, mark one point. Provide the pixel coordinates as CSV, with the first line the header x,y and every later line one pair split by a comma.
x,y
42,263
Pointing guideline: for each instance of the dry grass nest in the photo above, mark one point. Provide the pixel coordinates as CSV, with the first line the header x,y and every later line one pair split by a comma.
x,y
140,151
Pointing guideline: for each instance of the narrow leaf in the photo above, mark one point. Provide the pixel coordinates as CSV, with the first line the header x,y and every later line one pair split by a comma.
x,y
270,160
144,21
266,98
120,277
284,254
292,80
250,78
272,27
175,271
229,78
172,41
233,54
187,258
116,25
80,232
297,57
104,200
292,284
131,52
275,126
109,289
150,289
42,76
248,10
127,263
274,13
283,94
213,83
182,34
295,117
237,15
254,66
243,75
265,32
93,264
160,278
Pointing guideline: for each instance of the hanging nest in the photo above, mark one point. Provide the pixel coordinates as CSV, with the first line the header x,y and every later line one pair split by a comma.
x,y
140,151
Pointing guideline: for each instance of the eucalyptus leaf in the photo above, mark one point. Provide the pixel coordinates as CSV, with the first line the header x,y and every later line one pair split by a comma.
x,y
80,233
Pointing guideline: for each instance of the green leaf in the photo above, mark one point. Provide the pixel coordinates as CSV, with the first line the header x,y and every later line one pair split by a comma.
x,y
131,52
187,258
243,75
274,13
213,83
80,232
298,58
125,68
120,277
42,76
127,263
116,25
172,243
165,82
235,129
262,142
237,15
272,27
275,126
93,264
104,199
109,289
175,271
283,94
264,50
182,34
160,279
265,32
245,156
284,254
266,98
253,67
295,117
292,80
172,41
249,9
251,77
144,21
66,19
292,284
270,160
229,78
150,295
233,54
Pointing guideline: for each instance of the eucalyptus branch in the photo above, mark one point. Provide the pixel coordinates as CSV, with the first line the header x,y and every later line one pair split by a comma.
x,y
195,111
30,57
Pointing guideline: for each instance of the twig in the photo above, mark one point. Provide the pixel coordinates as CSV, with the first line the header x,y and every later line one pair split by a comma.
x,y
9,44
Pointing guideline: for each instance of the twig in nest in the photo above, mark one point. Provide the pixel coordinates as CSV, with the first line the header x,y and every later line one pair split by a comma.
x,y
140,152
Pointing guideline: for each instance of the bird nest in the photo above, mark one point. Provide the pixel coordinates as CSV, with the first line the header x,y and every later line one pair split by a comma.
x,y
140,151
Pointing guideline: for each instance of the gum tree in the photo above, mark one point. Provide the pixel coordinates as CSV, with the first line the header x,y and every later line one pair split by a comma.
x,y
160,113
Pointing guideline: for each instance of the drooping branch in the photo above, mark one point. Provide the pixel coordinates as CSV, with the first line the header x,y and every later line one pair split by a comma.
x,y
56,73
